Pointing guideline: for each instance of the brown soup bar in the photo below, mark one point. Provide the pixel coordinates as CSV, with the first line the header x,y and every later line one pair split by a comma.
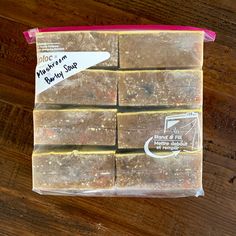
x,y
135,171
75,127
160,88
161,49
58,171
72,41
135,128
89,87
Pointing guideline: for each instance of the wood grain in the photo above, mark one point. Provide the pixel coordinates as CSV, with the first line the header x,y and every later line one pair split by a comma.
x,y
23,212
216,15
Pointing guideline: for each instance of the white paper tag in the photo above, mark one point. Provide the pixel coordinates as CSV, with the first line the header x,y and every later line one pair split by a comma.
x,y
53,67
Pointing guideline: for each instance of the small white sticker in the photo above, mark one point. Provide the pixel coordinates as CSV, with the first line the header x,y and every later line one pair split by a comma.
x,y
180,132
54,67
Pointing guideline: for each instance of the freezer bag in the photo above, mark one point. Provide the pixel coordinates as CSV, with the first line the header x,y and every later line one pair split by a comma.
x,y
118,110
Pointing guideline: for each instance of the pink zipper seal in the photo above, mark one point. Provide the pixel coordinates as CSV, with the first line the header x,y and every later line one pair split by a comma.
x,y
30,35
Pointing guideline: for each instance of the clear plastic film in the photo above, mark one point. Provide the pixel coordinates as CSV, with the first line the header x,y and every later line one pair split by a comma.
x,y
118,110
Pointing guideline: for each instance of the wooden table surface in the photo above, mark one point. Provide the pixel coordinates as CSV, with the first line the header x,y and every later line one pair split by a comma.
x,y
23,212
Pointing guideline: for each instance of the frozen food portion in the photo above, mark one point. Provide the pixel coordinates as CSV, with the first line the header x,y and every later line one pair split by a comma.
x,y
89,87
163,130
137,173
74,170
160,88
75,127
76,41
161,49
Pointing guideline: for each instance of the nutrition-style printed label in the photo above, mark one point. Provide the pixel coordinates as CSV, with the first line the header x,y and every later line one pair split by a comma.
x,y
181,132
54,67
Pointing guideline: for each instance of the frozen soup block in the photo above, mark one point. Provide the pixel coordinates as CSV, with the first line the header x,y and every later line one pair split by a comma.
x,y
161,49
170,176
62,171
75,127
89,87
160,88
76,41
176,128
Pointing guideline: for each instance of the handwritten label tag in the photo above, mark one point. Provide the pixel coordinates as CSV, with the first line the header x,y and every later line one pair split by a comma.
x,y
54,67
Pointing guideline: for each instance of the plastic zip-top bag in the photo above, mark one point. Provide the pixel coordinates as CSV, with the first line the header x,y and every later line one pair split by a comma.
x,y
118,110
